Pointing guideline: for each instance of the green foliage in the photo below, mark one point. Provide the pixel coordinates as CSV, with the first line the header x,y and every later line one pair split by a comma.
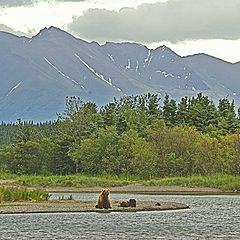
x,y
202,112
22,158
130,136
220,181
182,115
169,111
81,124
231,151
96,152
55,155
7,133
228,123
76,180
22,194
177,150
113,154
73,105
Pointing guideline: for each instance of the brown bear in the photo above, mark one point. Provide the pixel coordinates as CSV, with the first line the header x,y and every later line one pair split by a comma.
x,y
131,203
103,199
123,204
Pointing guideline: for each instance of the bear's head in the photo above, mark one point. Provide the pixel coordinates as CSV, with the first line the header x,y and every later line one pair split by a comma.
x,y
105,192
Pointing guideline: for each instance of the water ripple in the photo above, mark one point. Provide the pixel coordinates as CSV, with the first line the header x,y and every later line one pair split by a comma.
x,y
210,217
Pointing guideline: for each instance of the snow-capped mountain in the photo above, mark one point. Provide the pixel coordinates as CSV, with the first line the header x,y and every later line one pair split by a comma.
x,y
37,74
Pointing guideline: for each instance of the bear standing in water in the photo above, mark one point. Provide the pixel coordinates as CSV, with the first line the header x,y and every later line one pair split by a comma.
x,y
103,199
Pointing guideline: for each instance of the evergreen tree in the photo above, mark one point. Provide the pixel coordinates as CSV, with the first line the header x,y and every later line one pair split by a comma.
x,y
56,157
202,112
22,158
73,105
169,111
228,123
182,116
121,124
108,113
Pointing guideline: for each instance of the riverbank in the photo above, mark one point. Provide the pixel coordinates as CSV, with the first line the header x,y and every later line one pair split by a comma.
x,y
217,183
139,189
84,207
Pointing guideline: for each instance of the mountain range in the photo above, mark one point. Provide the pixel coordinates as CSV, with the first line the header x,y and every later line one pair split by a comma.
x,y
36,74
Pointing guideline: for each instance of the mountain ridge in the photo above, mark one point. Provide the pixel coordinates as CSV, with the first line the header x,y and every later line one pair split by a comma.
x,y
38,73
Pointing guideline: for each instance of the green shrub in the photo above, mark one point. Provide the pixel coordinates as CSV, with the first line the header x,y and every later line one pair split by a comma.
x,y
14,194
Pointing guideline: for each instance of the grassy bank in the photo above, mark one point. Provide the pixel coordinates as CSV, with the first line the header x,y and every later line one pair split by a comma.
x,y
22,194
223,182
77,180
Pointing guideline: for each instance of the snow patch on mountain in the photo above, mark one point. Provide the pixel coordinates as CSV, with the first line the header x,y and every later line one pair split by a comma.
x,y
165,74
148,59
60,72
15,87
93,71
148,56
129,64
111,57
119,89
137,66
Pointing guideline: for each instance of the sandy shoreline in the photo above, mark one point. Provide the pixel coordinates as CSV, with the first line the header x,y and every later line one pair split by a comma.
x,y
132,188
71,206
137,188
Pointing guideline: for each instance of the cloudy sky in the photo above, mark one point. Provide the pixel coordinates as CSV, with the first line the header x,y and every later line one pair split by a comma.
x,y
186,26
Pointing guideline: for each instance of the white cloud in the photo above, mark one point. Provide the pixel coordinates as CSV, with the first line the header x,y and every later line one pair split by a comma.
x,y
18,3
228,50
5,28
180,24
14,3
174,20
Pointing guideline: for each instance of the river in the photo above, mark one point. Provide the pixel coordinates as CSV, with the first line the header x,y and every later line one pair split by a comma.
x,y
209,217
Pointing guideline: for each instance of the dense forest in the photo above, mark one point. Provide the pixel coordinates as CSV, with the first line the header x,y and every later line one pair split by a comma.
x,y
131,136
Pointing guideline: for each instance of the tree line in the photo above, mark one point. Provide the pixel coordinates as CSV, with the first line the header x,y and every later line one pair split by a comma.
x,y
134,135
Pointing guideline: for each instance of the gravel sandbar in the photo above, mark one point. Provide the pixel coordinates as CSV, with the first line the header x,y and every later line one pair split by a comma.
x,y
138,188
81,206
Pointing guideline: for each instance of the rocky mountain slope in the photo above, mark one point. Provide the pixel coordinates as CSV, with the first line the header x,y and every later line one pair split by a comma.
x,y
37,74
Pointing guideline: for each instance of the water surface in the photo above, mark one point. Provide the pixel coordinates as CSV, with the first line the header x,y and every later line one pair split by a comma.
x,y
210,217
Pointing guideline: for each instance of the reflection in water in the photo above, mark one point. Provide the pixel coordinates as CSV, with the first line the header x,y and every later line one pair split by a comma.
x,y
210,217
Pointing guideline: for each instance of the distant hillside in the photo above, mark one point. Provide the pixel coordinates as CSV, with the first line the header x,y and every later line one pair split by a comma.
x,y
37,74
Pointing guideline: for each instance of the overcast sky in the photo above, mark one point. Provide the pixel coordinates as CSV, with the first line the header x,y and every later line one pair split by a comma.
x,y
186,26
